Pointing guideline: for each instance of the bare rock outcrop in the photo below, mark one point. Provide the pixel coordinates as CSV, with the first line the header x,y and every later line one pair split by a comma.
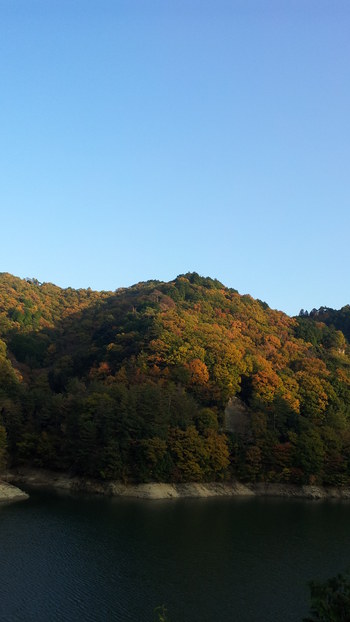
x,y
237,418
8,492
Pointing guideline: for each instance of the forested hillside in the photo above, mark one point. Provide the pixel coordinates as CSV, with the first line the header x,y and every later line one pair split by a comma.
x,y
178,381
338,319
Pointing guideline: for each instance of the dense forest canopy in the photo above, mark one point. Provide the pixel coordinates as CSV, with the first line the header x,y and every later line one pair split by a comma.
x,y
178,381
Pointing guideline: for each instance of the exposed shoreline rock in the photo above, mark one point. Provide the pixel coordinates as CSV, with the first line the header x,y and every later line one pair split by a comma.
x,y
157,490
152,490
8,492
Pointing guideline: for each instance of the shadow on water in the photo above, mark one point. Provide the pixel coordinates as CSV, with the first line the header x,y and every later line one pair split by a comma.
x,y
79,558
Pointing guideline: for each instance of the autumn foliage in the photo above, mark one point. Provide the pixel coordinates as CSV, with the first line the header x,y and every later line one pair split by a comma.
x,y
137,384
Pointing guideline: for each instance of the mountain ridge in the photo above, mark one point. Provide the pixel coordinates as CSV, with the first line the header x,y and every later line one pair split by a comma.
x,y
133,384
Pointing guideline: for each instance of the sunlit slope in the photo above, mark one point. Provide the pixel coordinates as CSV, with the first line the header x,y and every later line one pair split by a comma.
x,y
135,384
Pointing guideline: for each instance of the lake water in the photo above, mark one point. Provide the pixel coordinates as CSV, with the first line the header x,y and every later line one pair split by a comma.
x,y
78,559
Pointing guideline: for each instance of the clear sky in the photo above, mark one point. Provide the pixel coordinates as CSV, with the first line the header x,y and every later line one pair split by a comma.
x,y
144,139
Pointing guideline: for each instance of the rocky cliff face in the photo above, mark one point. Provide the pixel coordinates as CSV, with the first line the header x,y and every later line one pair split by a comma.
x,y
237,418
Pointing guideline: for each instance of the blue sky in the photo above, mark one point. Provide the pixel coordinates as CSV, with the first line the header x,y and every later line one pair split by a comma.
x,y
142,140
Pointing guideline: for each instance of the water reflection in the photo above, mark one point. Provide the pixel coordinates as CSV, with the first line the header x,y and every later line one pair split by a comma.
x,y
78,558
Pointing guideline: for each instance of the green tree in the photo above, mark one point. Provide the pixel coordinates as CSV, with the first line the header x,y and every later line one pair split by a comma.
x,y
3,448
330,601
161,614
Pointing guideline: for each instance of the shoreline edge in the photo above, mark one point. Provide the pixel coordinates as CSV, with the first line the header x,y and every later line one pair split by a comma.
x,y
158,490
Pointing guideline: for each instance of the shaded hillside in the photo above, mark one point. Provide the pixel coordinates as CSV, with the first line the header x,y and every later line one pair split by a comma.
x,y
340,320
134,384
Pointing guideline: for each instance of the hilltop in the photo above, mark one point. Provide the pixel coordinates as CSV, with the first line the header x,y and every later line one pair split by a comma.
x,y
174,382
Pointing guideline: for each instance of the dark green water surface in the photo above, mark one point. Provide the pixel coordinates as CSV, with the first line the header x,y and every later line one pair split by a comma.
x,y
66,558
